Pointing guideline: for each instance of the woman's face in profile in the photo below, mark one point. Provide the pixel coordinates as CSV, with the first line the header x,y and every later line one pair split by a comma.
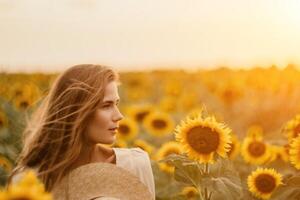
x,y
103,125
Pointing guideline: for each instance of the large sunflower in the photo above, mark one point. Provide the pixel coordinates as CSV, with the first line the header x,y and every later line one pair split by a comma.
x,y
128,129
202,138
292,128
159,124
168,148
255,151
262,182
234,148
295,152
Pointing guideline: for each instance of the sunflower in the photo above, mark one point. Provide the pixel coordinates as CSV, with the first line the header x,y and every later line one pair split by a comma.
x,y
188,101
279,153
6,164
23,102
255,151
144,145
159,124
168,148
128,129
255,131
139,112
262,182
168,104
234,148
292,128
295,152
120,144
173,88
202,138
29,187
190,192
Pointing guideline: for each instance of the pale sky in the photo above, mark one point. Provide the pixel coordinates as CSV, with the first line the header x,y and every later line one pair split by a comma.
x,y
50,35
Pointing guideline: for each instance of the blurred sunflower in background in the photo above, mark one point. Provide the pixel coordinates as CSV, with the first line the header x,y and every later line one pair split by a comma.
x,y
262,182
295,152
255,131
168,148
5,164
120,144
190,192
292,128
255,151
128,129
159,124
203,138
168,104
139,112
172,88
144,145
278,153
28,187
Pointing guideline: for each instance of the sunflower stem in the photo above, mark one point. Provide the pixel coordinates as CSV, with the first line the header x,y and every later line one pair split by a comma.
x,y
200,193
206,168
205,194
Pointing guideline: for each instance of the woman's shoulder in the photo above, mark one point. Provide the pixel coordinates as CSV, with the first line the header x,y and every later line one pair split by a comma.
x,y
135,152
138,162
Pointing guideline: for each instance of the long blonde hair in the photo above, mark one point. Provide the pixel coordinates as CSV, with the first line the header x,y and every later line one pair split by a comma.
x,y
54,136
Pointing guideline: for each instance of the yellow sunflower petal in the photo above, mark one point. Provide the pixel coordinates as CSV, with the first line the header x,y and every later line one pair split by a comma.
x,y
295,152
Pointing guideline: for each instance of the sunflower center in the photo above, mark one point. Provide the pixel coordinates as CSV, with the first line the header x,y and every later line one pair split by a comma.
x,y
257,148
24,104
191,194
124,130
203,139
1,123
297,130
141,115
159,123
265,183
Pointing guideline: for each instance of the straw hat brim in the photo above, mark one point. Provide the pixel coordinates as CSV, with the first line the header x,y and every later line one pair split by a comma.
x,y
103,180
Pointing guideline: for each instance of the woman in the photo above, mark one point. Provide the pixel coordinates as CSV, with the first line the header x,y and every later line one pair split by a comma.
x,y
67,131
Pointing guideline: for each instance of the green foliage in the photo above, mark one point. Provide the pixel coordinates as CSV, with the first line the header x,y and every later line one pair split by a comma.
x,y
222,180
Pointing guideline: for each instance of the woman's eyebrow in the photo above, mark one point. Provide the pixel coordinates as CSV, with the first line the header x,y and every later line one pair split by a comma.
x,y
110,101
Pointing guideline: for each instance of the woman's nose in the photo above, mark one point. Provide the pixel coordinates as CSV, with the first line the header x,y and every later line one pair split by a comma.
x,y
118,115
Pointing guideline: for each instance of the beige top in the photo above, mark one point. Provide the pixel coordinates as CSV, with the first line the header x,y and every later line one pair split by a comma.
x,y
134,160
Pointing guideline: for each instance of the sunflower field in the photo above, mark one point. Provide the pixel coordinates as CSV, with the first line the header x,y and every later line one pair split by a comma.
x,y
211,134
